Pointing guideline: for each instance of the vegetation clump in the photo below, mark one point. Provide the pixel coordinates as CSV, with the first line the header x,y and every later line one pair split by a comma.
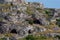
x,y
31,37
58,22
29,10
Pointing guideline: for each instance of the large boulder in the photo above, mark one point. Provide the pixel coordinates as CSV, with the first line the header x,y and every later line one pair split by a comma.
x,y
12,38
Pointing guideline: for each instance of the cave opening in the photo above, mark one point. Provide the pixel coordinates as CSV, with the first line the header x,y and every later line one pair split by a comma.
x,y
29,31
36,21
13,31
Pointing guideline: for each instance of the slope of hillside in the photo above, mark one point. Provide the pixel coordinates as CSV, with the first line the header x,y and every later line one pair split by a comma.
x,y
26,19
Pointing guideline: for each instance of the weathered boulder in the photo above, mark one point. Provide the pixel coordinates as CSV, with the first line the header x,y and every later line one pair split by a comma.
x,y
12,38
3,29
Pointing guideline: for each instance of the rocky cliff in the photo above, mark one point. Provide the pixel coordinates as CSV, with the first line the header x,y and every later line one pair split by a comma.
x,y
18,21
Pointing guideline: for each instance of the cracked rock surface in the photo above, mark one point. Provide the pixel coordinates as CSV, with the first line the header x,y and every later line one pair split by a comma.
x,y
18,21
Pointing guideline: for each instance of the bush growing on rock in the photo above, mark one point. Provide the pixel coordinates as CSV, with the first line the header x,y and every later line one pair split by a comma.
x,y
58,22
3,38
31,37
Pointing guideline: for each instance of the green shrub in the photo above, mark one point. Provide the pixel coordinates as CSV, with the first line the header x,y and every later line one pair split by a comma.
x,y
31,37
29,10
47,12
38,8
1,18
58,22
3,39
30,21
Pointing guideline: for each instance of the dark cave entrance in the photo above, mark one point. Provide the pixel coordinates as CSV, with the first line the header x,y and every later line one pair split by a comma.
x,y
36,21
13,31
29,31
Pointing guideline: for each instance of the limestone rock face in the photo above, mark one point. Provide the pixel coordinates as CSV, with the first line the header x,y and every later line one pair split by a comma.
x,y
24,19
22,33
12,38
1,1
15,1
2,29
8,0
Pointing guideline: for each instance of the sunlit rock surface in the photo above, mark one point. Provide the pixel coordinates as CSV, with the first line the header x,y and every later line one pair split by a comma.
x,y
18,21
